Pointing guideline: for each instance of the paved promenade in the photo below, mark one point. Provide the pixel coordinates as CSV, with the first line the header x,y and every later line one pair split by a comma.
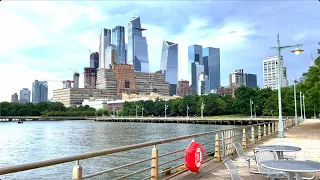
x,y
306,136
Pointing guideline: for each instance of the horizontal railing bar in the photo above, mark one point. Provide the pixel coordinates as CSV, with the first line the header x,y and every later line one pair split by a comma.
x,y
176,159
134,173
171,168
39,164
174,152
119,167
149,177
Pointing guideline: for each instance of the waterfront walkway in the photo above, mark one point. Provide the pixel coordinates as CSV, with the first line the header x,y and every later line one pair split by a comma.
x,y
306,136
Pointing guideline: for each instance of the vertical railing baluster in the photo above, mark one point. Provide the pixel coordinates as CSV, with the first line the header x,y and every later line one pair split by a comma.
x,y
253,138
154,163
77,171
265,131
269,130
244,138
217,156
259,133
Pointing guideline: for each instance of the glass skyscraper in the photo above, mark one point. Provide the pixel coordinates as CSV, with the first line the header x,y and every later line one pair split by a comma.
x,y
169,65
194,55
39,91
211,62
196,70
94,60
137,46
251,80
24,95
105,41
118,36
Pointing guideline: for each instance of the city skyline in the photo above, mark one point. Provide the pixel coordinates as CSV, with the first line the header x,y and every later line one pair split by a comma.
x,y
51,43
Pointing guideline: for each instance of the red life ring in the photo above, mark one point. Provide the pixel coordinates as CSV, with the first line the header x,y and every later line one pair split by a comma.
x,y
193,156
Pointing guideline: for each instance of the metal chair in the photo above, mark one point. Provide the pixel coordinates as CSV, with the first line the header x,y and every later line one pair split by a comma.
x,y
269,155
244,156
232,169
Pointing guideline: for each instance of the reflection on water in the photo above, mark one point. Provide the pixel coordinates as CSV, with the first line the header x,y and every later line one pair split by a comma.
x,y
36,141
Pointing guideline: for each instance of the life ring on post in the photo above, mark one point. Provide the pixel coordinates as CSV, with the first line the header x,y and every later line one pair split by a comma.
x,y
193,156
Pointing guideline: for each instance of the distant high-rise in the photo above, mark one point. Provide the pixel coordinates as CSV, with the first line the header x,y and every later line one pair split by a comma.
x,y
14,98
137,46
24,95
39,91
105,41
94,60
194,55
118,40
183,88
169,65
270,73
211,62
196,70
203,85
111,56
76,80
239,78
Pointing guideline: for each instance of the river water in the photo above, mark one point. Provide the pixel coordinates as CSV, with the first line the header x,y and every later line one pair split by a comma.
x,y
36,141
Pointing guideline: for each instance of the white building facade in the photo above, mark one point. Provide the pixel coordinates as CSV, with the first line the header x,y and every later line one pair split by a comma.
x,y
105,41
270,73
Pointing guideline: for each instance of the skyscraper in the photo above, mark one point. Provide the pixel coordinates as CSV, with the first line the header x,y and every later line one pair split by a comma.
x,y
111,56
94,60
14,98
169,65
137,46
251,80
118,36
239,78
105,41
211,62
270,73
196,70
24,95
194,55
203,84
39,91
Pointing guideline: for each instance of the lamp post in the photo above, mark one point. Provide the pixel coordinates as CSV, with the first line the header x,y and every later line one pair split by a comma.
x,y
314,112
271,112
304,108
142,111
165,110
251,107
297,52
295,101
301,110
137,107
202,107
187,111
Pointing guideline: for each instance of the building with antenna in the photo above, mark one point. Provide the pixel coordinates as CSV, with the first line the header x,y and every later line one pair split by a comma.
x,y
137,46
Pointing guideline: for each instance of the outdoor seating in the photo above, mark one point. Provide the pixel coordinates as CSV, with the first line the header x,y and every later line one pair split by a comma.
x,y
268,155
244,156
232,169
287,155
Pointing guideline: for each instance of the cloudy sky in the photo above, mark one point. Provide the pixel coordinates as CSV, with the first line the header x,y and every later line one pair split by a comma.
x,y
43,40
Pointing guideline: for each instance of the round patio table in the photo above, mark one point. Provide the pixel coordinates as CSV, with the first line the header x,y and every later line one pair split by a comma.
x,y
279,149
292,167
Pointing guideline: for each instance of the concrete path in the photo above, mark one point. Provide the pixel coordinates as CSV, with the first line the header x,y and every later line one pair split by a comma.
x,y
306,136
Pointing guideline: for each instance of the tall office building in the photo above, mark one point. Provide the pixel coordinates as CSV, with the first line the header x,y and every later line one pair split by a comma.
x,y
194,55
14,98
118,36
111,56
169,65
94,60
105,41
137,46
270,73
203,85
24,95
239,78
196,70
183,88
39,91
211,62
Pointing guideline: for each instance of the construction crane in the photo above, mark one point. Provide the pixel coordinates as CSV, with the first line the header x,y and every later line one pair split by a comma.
x,y
90,51
73,70
66,83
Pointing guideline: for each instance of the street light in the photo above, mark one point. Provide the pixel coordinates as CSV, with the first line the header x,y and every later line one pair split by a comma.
x,y
279,48
142,111
271,112
202,107
187,111
304,108
165,110
251,107
295,101
137,107
255,112
314,112
301,106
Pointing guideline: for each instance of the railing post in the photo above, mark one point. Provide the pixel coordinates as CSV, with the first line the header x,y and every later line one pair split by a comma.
x,y
259,133
154,163
244,138
217,156
272,128
77,171
233,141
265,130
253,139
269,130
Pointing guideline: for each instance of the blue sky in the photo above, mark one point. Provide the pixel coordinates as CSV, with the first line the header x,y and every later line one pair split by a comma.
x,y
42,40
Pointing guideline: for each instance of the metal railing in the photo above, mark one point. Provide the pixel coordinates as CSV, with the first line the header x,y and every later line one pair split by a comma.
x,y
216,147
